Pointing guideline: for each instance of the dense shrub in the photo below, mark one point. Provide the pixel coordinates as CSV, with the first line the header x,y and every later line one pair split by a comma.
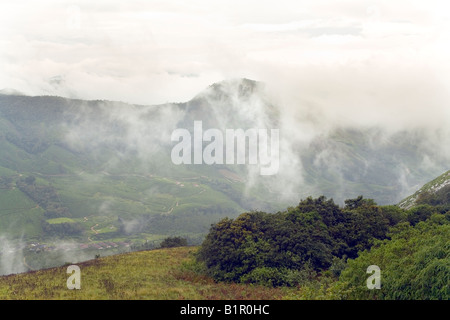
x,y
62,229
171,242
414,264
273,249
440,197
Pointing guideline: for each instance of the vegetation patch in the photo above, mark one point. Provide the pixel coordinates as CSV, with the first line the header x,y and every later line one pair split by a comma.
x,y
60,220
324,250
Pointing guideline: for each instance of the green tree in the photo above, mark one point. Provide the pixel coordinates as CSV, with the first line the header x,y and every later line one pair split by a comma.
x,y
30,180
171,242
420,213
415,264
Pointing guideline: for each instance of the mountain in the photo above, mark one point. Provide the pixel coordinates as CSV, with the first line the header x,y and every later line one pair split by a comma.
x,y
81,176
434,192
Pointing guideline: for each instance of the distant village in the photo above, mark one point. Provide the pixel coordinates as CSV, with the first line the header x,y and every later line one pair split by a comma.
x,y
37,247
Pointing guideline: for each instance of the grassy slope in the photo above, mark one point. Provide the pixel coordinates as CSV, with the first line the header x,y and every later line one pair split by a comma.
x,y
143,275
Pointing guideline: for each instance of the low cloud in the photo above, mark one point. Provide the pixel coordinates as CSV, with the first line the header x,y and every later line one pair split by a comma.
x,y
11,255
146,53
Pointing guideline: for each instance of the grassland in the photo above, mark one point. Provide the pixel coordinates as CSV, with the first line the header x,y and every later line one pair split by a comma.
x,y
145,275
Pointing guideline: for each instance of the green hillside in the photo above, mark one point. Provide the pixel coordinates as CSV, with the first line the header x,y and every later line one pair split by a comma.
x,y
150,275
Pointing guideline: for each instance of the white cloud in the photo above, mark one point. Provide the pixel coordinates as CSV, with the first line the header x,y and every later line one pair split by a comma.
x,y
159,51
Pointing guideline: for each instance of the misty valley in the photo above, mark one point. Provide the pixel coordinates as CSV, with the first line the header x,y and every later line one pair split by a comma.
x,y
82,179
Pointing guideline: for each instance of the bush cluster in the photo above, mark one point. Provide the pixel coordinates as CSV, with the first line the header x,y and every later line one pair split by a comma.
x,y
326,248
285,248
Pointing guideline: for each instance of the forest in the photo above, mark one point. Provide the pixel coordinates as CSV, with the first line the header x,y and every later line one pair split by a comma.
x,y
319,243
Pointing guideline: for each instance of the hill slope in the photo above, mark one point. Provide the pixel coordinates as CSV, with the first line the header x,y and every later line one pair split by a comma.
x,y
143,275
434,192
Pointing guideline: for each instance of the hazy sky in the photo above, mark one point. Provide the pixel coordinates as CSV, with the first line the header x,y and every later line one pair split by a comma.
x,y
150,52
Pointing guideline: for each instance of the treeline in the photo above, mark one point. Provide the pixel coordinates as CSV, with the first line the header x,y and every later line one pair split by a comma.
x,y
25,109
48,199
65,229
6,183
45,196
31,144
306,242
440,197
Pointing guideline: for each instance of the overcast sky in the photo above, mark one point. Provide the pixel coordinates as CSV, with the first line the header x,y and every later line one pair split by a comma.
x,y
151,52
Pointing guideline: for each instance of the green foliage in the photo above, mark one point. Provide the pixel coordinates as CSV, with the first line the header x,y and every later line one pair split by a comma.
x,y
436,192
30,180
420,213
394,214
30,144
171,242
64,229
337,266
292,248
440,197
358,202
45,196
364,224
275,249
415,264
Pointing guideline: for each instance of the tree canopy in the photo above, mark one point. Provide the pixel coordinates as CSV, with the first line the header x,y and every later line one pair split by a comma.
x,y
277,247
